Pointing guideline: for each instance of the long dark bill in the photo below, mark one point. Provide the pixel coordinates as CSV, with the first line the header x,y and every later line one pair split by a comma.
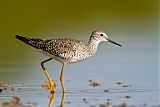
x,y
111,41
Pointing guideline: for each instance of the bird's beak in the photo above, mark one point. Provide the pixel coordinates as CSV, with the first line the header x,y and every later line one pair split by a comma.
x,y
111,41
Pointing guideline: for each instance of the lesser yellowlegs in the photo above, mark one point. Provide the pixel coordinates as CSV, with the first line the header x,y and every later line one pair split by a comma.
x,y
66,50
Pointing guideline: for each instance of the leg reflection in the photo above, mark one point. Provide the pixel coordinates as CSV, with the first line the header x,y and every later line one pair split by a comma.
x,y
52,95
62,100
51,99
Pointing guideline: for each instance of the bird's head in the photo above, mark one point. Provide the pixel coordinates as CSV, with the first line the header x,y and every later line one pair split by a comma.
x,y
99,36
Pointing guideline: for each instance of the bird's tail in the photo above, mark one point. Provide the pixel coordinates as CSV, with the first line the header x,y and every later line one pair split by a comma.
x,y
29,41
24,39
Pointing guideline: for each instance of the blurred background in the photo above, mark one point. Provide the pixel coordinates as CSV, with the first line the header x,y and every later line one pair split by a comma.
x,y
132,23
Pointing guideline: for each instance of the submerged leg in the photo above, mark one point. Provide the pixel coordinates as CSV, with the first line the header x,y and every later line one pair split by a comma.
x,y
62,79
52,84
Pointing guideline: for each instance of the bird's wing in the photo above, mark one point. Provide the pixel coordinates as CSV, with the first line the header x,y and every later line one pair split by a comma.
x,y
63,48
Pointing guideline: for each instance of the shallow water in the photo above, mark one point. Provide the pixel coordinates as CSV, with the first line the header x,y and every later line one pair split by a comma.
x,y
127,74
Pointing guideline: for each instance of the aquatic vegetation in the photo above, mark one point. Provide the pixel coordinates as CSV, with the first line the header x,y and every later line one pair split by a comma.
x,y
16,102
94,83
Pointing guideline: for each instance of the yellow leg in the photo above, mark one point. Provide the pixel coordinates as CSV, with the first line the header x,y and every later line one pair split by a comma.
x,y
52,84
61,79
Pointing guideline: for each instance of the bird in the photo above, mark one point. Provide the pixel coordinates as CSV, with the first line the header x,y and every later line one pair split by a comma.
x,y
66,51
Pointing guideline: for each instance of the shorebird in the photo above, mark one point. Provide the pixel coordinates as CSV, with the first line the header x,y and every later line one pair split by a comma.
x,y
66,51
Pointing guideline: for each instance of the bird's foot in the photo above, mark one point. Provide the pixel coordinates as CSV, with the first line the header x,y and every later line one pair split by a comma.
x,y
52,87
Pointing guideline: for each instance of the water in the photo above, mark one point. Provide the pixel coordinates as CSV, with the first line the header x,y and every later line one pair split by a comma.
x,y
135,64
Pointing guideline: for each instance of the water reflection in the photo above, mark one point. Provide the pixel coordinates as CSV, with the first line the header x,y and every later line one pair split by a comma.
x,y
62,100
46,86
51,99
52,95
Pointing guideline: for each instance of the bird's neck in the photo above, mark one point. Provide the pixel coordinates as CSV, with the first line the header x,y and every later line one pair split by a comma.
x,y
93,44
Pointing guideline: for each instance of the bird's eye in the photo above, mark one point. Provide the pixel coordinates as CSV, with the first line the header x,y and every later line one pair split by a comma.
x,y
101,34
